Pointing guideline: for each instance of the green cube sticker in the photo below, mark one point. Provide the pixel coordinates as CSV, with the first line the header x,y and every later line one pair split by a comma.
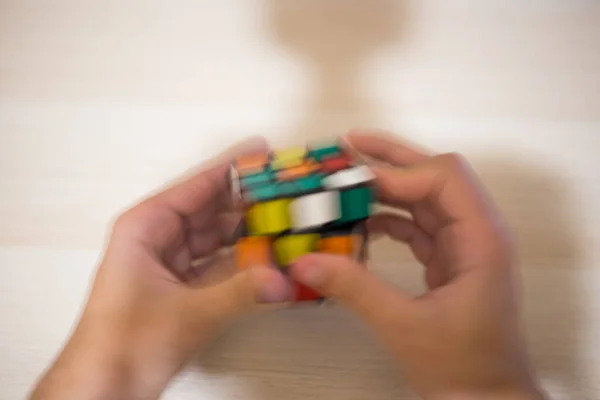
x,y
319,153
309,183
287,189
356,204
263,193
263,177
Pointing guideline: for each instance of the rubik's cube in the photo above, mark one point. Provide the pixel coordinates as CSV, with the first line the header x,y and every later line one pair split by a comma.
x,y
298,201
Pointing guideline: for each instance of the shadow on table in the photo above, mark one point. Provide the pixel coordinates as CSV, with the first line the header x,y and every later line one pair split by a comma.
x,y
336,41
543,215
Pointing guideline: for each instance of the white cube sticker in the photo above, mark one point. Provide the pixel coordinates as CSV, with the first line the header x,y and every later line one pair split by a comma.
x,y
314,210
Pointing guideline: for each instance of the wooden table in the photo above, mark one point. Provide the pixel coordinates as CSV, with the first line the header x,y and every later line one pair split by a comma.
x,y
102,101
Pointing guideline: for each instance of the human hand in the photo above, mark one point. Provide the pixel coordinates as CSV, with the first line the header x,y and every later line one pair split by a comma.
x,y
462,339
151,308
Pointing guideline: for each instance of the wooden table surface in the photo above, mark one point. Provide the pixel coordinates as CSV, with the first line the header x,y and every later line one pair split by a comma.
x,y
102,101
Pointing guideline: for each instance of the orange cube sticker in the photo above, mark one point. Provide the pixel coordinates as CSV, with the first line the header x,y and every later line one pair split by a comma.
x,y
304,169
342,245
253,251
252,163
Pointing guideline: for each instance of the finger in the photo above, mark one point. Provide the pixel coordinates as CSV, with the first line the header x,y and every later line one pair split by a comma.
x,y
385,147
446,182
421,244
350,283
422,213
203,244
242,292
210,217
436,276
214,235
404,230
231,223
196,192
214,269
221,203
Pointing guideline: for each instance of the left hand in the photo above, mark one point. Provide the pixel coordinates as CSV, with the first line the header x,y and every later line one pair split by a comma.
x,y
151,308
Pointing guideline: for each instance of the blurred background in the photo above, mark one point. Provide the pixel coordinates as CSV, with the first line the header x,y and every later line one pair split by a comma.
x,y
103,101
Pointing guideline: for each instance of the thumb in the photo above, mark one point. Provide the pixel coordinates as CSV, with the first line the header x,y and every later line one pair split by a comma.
x,y
245,290
351,284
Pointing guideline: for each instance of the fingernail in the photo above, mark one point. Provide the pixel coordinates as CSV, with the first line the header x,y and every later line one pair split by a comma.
x,y
272,286
272,294
308,273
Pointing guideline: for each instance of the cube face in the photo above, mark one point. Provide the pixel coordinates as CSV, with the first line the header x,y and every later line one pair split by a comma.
x,y
298,201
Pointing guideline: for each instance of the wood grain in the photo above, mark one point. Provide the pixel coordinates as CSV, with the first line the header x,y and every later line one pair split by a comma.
x,y
101,102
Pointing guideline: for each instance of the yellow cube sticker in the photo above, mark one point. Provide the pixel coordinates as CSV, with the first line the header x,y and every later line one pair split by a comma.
x,y
288,158
291,247
268,218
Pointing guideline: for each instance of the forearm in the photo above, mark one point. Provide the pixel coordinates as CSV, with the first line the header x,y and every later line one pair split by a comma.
x,y
83,377
97,365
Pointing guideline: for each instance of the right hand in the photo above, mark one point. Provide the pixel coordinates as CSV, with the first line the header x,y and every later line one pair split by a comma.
x,y
462,339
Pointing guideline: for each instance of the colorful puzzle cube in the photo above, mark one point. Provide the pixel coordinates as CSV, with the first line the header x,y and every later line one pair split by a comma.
x,y
299,201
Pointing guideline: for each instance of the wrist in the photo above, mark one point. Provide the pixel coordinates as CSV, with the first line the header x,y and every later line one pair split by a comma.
x,y
84,369
98,362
